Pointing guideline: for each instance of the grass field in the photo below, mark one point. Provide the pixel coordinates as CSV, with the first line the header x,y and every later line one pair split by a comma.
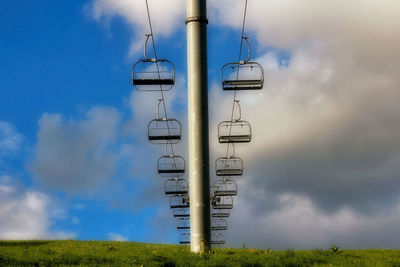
x,y
107,253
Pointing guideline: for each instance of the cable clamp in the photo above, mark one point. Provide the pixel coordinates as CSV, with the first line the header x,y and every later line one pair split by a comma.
x,y
200,19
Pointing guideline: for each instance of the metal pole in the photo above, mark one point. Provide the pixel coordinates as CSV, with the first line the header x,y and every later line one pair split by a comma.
x,y
199,170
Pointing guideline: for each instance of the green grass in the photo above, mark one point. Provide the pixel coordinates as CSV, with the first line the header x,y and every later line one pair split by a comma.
x,y
106,253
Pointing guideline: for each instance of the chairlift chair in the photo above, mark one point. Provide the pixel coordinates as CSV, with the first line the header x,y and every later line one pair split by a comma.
x,y
220,213
179,201
229,166
217,238
183,224
219,224
176,186
184,238
164,130
243,75
181,212
152,74
222,202
171,166
238,131
225,187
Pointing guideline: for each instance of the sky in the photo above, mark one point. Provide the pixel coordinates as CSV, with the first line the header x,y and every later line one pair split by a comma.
x,y
323,164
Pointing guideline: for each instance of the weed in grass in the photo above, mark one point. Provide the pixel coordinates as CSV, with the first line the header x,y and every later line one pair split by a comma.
x,y
230,252
158,258
335,250
169,264
289,253
111,248
252,265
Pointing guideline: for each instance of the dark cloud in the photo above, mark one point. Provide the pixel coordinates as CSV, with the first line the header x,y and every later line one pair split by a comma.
x,y
343,151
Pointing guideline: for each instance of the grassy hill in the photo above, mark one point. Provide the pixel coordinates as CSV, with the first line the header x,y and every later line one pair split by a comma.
x,y
107,253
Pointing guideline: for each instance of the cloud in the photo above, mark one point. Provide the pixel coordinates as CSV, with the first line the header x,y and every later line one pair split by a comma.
x,y
333,140
325,127
117,237
299,224
165,16
76,155
10,139
27,214
292,23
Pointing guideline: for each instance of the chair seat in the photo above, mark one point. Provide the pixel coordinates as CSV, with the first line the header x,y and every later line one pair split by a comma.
x,y
153,82
225,193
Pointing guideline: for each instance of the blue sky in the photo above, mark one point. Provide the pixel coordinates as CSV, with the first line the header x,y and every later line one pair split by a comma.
x,y
58,60
75,163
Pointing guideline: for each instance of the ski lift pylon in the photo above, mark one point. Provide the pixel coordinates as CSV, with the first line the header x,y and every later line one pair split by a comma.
x,y
152,74
243,75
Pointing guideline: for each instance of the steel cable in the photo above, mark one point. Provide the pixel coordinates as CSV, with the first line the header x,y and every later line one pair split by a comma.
x,y
159,76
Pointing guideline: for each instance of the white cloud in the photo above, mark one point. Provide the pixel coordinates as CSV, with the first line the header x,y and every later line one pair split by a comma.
x,y
10,139
27,214
117,237
165,16
292,23
75,155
